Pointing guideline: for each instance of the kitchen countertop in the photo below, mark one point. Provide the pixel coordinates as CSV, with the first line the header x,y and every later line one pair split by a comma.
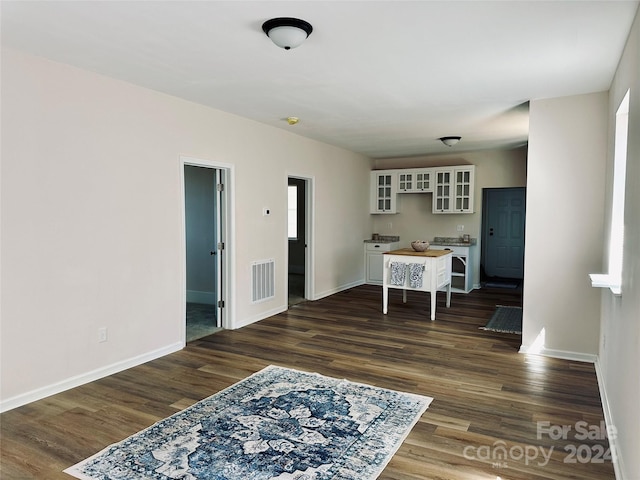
x,y
412,253
384,239
453,241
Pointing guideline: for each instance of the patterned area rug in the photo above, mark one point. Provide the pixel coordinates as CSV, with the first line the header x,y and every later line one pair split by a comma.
x,y
505,320
276,424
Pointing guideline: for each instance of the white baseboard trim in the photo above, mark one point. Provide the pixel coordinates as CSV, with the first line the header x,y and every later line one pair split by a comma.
x,y
43,392
338,289
195,296
260,316
562,354
284,308
608,419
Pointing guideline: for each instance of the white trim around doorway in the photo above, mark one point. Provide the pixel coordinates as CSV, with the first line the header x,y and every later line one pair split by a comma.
x,y
229,273
309,261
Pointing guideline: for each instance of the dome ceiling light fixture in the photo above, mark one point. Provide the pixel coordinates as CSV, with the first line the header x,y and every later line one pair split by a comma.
x,y
287,32
450,141
292,120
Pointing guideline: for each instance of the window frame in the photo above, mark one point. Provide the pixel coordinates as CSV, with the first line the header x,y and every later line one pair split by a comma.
x,y
292,212
613,279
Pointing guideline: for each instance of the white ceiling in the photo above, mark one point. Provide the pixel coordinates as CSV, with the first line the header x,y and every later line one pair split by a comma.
x,y
384,78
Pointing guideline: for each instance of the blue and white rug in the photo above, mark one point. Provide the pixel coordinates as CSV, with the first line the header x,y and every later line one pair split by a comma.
x,y
278,424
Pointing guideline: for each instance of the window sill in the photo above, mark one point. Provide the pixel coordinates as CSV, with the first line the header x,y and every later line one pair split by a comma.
x,y
602,280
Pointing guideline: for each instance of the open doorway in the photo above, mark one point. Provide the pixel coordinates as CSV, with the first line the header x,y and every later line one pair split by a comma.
x,y
204,245
298,233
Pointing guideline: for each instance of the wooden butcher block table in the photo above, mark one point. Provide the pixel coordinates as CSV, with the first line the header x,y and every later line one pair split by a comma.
x,y
427,271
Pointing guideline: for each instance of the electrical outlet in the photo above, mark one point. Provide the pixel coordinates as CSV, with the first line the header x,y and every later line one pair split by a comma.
x,y
390,225
460,228
102,334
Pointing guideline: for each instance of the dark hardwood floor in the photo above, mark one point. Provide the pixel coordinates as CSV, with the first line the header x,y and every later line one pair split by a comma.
x,y
482,423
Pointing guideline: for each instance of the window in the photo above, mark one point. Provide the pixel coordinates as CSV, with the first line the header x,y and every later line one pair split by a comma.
x,y
293,212
613,279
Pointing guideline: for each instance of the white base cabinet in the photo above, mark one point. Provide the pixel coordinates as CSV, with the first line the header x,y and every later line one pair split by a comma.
x,y
461,266
373,261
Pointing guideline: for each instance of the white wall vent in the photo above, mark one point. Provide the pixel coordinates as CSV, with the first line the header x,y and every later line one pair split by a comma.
x,y
262,280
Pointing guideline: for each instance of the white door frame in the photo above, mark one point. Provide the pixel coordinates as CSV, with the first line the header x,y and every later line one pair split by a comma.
x,y
309,256
227,231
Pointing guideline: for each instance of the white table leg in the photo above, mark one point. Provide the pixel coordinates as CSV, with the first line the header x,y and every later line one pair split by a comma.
x,y
434,293
448,294
404,295
385,299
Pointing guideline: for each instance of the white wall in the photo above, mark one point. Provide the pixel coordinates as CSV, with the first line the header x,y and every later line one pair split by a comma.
x,y
565,212
92,221
414,220
619,355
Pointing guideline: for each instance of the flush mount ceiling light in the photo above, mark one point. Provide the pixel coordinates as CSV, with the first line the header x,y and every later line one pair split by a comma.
x,y
450,141
292,120
287,32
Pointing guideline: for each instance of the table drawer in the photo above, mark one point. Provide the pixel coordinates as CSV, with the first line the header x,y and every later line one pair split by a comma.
x,y
381,247
462,251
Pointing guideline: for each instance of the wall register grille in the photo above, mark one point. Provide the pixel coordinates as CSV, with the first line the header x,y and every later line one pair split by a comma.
x,y
262,280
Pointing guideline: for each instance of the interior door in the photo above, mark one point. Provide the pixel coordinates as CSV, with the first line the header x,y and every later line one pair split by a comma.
x,y
297,240
504,212
204,199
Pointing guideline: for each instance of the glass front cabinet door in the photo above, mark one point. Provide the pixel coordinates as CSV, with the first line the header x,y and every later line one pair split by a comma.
x,y
463,200
423,181
383,192
442,191
405,182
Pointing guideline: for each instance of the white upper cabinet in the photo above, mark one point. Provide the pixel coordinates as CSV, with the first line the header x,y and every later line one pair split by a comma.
x,y
406,182
383,191
464,179
453,189
415,181
442,191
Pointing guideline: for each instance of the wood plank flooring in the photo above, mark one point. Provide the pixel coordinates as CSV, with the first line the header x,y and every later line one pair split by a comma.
x,y
482,423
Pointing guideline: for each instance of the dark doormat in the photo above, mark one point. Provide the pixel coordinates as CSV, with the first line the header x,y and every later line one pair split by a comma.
x,y
505,320
501,284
